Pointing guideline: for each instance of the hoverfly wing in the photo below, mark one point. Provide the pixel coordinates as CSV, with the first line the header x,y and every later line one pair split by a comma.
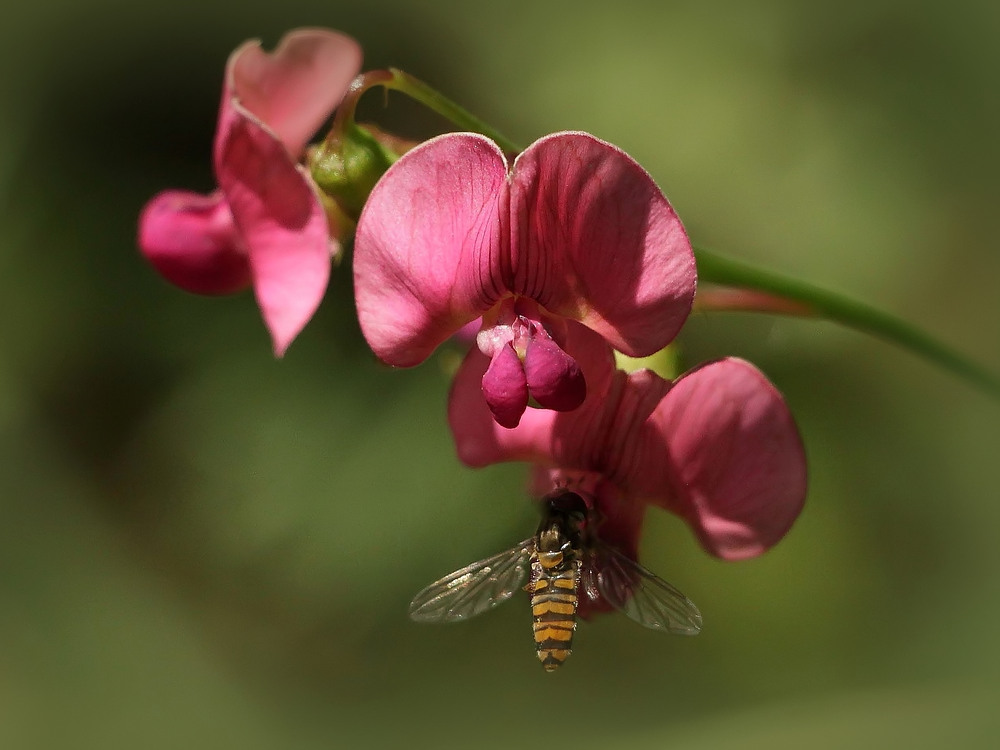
x,y
475,588
638,593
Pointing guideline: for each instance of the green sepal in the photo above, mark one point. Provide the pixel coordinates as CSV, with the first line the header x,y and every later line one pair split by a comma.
x,y
347,168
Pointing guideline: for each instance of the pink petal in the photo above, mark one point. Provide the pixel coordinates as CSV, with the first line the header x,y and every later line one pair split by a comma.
x,y
270,105
190,239
427,241
560,439
294,89
504,387
594,239
282,222
555,380
737,469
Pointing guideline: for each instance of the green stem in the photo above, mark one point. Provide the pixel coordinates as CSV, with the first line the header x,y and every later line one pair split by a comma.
x,y
398,80
789,296
438,102
352,158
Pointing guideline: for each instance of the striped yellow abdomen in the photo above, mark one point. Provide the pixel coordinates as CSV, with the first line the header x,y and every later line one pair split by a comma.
x,y
553,606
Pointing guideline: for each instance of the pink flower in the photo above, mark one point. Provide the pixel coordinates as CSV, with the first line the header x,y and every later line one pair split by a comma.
x,y
718,447
266,224
575,230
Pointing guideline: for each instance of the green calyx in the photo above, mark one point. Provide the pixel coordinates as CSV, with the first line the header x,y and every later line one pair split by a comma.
x,y
346,168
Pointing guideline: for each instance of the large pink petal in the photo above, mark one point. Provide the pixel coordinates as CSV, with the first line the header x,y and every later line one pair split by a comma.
x,y
724,453
282,221
428,246
593,238
191,240
567,440
296,88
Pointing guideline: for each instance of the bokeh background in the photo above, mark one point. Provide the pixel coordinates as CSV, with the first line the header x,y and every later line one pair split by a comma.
x,y
201,546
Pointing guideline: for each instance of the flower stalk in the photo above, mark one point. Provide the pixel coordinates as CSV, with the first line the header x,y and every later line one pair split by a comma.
x,y
398,80
742,286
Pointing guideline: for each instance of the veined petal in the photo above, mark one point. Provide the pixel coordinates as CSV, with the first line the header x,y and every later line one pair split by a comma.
x,y
428,249
191,240
726,455
594,239
281,220
294,89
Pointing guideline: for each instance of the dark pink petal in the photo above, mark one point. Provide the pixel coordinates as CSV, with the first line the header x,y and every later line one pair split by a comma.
x,y
555,380
725,454
560,439
428,245
504,387
594,239
296,88
282,222
191,240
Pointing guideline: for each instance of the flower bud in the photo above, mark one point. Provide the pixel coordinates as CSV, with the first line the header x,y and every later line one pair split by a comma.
x,y
347,168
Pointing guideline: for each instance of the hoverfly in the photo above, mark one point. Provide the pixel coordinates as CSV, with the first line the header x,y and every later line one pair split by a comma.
x,y
566,560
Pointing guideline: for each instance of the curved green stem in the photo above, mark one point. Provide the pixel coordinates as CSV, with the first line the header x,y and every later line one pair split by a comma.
x,y
352,158
398,80
774,293
438,102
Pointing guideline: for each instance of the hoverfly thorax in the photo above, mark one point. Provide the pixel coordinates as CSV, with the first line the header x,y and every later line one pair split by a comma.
x,y
564,521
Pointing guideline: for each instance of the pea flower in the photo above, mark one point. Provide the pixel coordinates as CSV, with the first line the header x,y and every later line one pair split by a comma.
x,y
265,225
718,447
575,230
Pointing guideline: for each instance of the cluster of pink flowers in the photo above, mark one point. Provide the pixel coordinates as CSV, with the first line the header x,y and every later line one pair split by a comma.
x,y
561,257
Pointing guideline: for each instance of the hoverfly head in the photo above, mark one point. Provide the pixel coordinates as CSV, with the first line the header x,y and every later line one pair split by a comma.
x,y
567,503
568,512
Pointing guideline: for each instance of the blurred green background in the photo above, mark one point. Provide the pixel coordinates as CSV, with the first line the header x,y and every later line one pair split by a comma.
x,y
201,546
